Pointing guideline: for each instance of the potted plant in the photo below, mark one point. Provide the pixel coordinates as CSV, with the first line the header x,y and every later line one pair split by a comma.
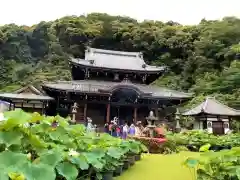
x,y
126,164
118,170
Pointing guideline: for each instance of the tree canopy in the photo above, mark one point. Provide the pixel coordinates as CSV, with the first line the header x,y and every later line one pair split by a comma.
x,y
203,59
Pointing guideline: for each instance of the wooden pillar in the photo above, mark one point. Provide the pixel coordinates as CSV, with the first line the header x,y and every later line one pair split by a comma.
x,y
43,106
85,112
135,115
10,106
108,113
156,112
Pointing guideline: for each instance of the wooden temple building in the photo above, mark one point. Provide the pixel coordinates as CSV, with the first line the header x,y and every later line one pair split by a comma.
x,y
212,116
105,84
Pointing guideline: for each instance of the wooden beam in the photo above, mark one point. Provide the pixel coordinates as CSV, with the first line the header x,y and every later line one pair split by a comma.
x,y
135,115
108,113
85,112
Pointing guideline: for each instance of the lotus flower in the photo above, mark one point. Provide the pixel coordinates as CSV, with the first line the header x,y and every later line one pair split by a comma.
x,y
73,153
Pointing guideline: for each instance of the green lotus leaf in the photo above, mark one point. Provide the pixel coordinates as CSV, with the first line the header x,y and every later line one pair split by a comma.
x,y
67,170
80,161
191,163
51,158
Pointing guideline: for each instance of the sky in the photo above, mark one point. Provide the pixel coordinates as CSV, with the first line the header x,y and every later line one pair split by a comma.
x,y
29,12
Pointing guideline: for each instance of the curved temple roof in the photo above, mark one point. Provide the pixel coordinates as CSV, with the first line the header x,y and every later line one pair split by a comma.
x,y
98,86
25,96
214,107
109,59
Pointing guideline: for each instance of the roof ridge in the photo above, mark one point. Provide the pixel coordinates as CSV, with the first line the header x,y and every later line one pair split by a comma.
x,y
218,102
205,103
114,51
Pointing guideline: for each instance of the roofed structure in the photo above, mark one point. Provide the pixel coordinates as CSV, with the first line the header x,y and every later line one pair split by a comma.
x,y
116,60
26,93
28,98
25,96
213,107
106,84
29,89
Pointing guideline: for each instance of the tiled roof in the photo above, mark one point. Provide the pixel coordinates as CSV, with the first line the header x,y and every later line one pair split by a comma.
x,y
25,96
95,86
214,107
32,88
116,60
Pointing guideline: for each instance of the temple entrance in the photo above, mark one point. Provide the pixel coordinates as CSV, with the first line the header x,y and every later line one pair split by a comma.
x,y
123,113
123,99
217,127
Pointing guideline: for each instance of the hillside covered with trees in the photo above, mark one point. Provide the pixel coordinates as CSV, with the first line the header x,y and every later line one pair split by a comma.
x,y
203,59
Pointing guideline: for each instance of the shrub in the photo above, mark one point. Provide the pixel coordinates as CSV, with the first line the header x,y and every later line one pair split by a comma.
x,y
195,139
158,145
217,165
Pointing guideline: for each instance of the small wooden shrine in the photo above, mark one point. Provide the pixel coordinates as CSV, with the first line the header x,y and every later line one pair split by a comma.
x,y
27,98
213,116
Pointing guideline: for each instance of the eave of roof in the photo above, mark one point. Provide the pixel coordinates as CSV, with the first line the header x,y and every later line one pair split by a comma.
x,y
213,107
25,96
89,86
34,89
87,64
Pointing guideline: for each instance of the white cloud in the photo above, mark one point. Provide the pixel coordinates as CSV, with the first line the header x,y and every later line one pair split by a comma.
x,y
184,11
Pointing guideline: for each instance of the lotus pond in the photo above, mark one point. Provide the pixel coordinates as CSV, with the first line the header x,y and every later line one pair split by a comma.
x,y
31,148
158,166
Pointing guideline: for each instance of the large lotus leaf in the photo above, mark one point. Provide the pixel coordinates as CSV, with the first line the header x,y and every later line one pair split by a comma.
x,y
57,134
51,158
36,117
80,161
47,120
10,138
238,172
94,159
65,139
36,142
114,152
38,171
10,162
4,176
9,159
61,121
77,129
15,118
67,170
40,128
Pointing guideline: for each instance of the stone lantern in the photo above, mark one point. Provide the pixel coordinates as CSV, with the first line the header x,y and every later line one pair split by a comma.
x,y
151,119
177,117
74,112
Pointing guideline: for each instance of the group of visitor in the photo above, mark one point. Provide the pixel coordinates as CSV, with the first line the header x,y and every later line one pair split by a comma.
x,y
115,129
123,131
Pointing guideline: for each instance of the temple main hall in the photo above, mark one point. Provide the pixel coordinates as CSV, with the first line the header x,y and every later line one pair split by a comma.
x,y
105,84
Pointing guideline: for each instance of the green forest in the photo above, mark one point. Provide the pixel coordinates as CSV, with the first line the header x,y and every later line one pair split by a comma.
x,y
202,59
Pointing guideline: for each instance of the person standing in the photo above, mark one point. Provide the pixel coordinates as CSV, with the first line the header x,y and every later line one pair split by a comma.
x,y
138,131
132,130
114,129
106,127
125,131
